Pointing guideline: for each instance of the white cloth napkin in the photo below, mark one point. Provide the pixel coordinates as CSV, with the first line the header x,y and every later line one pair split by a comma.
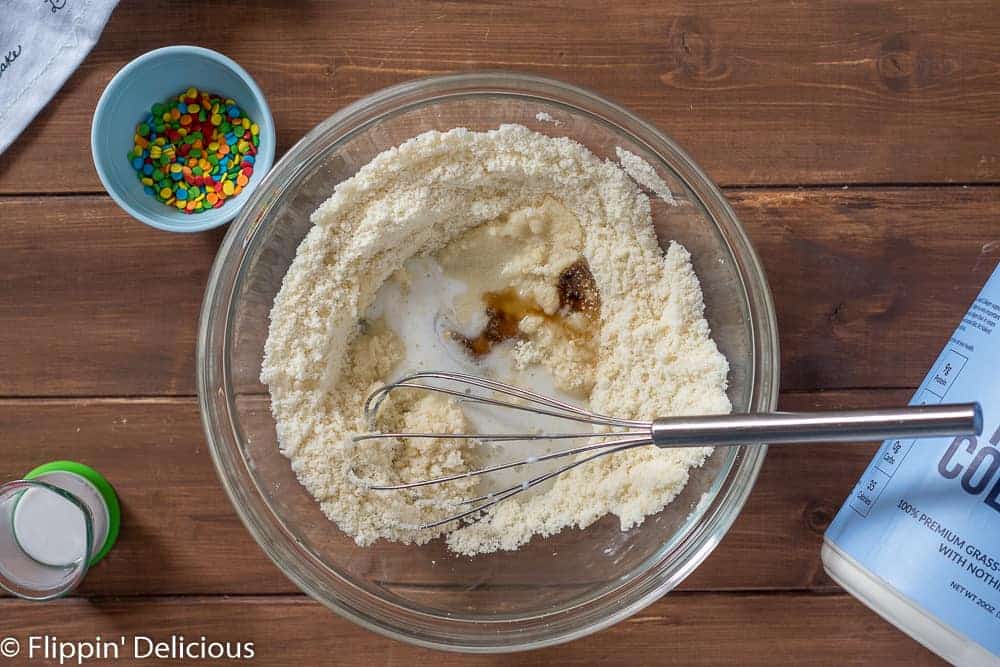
x,y
41,43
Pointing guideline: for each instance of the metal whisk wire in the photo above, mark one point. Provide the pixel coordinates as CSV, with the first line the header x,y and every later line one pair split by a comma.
x,y
490,499
539,404
569,411
715,430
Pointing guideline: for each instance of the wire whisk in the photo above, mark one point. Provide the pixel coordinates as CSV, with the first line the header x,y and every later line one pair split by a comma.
x,y
624,434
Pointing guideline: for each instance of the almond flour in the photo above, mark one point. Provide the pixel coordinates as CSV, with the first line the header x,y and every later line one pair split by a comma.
x,y
647,353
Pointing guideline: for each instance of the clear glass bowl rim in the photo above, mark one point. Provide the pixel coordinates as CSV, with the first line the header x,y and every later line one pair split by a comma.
x,y
303,567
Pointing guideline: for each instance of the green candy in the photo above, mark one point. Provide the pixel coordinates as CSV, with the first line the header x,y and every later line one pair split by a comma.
x,y
143,130
195,152
159,109
196,171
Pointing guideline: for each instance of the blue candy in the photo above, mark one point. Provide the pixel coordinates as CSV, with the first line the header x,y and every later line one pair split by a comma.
x,y
181,194
233,112
178,176
148,190
137,163
249,158
147,169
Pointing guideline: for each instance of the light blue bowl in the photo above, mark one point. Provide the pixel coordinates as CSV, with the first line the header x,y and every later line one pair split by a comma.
x,y
154,77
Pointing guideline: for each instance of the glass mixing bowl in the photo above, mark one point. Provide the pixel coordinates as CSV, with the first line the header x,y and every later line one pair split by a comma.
x,y
553,589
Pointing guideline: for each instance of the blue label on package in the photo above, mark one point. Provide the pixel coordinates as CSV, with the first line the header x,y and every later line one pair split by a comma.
x,y
925,516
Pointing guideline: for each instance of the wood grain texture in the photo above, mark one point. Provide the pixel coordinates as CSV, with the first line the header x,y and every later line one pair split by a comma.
x,y
684,629
181,536
96,304
759,93
869,284
99,313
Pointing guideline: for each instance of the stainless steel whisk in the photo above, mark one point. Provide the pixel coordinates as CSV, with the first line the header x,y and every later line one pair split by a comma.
x,y
716,430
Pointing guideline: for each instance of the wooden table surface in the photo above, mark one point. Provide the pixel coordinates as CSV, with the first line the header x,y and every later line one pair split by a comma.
x,y
857,142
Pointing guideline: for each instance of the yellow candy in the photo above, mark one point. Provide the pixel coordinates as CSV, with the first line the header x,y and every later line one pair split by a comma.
x,y
170,202
160,141
242,146
192,92
180,204
193,108
230,102
214,146
176,168
137,148
146,180
255,129
216,119
155,152
246,123
166,192
183,132
227,188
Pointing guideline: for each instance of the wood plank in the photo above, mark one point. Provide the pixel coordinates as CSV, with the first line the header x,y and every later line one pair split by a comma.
x,y
181,536
694,629
868,284
95,303
760,93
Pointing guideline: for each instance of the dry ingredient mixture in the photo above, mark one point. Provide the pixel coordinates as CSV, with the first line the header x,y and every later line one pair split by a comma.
x,y
506,253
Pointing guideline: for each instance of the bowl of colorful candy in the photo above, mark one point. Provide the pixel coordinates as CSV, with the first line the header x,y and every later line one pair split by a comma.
x,y
180,137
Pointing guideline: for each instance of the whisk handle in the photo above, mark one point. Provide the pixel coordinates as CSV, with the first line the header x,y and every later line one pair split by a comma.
x,y
772,428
